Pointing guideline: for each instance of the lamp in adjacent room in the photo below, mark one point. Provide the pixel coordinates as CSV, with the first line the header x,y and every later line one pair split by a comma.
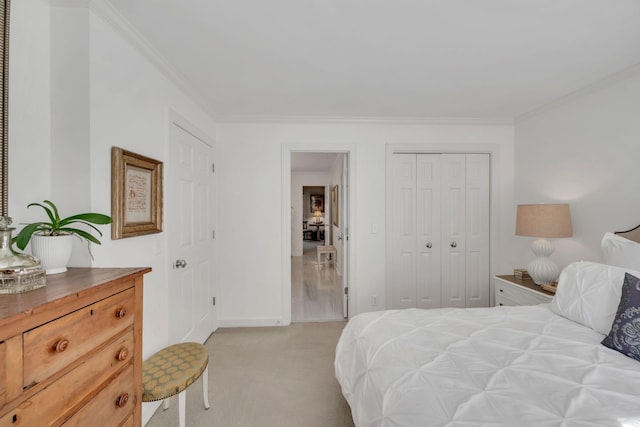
x,y
543,221
318,216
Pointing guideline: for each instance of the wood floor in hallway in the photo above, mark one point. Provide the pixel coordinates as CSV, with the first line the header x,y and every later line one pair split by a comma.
x,y
316,289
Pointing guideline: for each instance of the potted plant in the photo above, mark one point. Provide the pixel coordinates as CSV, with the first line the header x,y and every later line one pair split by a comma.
x,y
51,242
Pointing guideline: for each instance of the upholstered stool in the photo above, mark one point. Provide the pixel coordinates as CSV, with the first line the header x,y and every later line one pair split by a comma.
x,y
171,370
328,250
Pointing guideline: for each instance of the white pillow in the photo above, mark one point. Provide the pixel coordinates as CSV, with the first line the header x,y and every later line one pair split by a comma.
x,y
620,252
589,293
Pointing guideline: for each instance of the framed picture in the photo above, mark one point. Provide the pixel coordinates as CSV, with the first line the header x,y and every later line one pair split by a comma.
x,y
335,211
317,203
136,194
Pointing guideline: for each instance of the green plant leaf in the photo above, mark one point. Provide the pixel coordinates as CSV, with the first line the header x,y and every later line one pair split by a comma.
x,y
84,234
23,237
47,210
93,218
55,210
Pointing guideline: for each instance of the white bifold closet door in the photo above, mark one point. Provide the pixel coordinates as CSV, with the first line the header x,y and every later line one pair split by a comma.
x,y
439,231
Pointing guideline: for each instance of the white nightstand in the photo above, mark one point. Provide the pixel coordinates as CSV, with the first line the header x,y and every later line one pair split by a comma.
x,y
512,291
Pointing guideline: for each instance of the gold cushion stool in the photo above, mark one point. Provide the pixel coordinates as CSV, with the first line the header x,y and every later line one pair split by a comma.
x,y
171,370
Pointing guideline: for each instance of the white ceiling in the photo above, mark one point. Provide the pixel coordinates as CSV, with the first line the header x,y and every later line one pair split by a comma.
x,y
389,58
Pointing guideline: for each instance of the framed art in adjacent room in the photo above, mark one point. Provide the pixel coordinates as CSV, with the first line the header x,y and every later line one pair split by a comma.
x,y
334,205
317,203
136,194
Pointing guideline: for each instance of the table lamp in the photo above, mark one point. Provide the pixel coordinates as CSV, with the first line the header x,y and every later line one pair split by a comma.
x,y
317,215
543,221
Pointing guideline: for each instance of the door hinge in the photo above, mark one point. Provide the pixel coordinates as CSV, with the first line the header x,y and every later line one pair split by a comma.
x,y
213,234
346,290
214,300
213,167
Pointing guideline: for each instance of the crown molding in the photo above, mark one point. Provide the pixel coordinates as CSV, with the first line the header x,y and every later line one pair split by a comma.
x,y
607,81
500,121
108,13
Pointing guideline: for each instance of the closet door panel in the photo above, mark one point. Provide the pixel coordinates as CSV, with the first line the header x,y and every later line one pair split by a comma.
x,y
428,241
453,230
402,290
477,213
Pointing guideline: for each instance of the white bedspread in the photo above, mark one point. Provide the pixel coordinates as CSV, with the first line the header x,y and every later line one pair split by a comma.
x,y
501,366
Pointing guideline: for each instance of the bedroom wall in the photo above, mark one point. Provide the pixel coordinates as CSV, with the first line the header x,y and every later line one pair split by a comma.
x,y
251,155
127,98
29,111
583,151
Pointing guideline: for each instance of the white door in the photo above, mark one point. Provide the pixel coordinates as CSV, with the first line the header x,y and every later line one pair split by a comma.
x,y
402,291
190,230
439,231
453,230
477,202
428,239
343,223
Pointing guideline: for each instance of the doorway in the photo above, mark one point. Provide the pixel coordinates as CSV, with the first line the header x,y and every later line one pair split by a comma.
x,y
319,218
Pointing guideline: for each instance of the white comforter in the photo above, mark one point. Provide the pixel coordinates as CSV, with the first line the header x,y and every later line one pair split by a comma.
x,y
501,366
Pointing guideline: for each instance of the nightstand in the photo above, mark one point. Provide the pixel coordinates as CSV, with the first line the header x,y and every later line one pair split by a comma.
x,y
512,291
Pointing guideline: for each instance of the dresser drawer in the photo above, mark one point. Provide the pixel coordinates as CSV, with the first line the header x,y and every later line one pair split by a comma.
x,y
75,387
111,407
56,344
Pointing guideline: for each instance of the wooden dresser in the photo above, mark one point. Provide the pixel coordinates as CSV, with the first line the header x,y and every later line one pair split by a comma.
x,y
71,352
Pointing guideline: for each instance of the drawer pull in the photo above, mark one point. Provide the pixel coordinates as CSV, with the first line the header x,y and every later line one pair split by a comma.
x,y
123,354
501,304
501,290
121,312
61,345
122,400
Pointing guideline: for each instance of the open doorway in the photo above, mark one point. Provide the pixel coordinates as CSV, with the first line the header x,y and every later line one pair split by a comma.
x,y
319,249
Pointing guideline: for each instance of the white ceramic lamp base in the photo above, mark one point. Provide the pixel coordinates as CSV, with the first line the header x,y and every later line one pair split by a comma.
x,y
542,270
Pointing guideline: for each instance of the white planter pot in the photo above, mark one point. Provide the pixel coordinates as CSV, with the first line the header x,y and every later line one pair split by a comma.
x,y
53,252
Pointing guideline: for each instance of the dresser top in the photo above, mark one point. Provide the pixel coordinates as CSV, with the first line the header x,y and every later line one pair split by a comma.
x,y
63,288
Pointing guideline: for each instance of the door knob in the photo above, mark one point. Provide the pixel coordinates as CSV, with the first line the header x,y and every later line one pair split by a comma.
x,y
454,244
180,263
429,245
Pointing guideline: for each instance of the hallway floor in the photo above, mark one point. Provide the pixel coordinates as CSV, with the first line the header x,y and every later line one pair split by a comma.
x,y
316,290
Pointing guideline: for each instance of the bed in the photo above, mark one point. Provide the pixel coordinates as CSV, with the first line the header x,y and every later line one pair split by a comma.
x,y
540,365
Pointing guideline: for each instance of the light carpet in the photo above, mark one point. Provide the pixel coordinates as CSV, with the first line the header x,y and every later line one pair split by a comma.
x,y
280,377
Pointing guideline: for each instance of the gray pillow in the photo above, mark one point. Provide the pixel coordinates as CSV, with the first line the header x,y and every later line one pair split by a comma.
x,y
625,331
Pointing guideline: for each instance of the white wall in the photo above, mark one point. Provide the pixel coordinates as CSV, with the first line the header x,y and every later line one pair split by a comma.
x,y
251,166
300,204
585,152
29,109
128,100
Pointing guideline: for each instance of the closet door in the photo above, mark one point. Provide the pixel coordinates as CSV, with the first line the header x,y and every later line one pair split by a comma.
x,y
428,240
453,230
401,292
477,196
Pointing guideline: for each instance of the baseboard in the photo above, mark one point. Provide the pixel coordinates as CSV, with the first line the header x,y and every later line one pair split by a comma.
x,y
251,322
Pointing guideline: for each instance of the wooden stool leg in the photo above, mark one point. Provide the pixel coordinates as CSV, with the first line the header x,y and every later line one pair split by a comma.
x,y
205,387
165,404
182,407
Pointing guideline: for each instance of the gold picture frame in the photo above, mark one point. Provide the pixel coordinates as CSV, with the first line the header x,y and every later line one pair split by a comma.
x,y
335,211
136,194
